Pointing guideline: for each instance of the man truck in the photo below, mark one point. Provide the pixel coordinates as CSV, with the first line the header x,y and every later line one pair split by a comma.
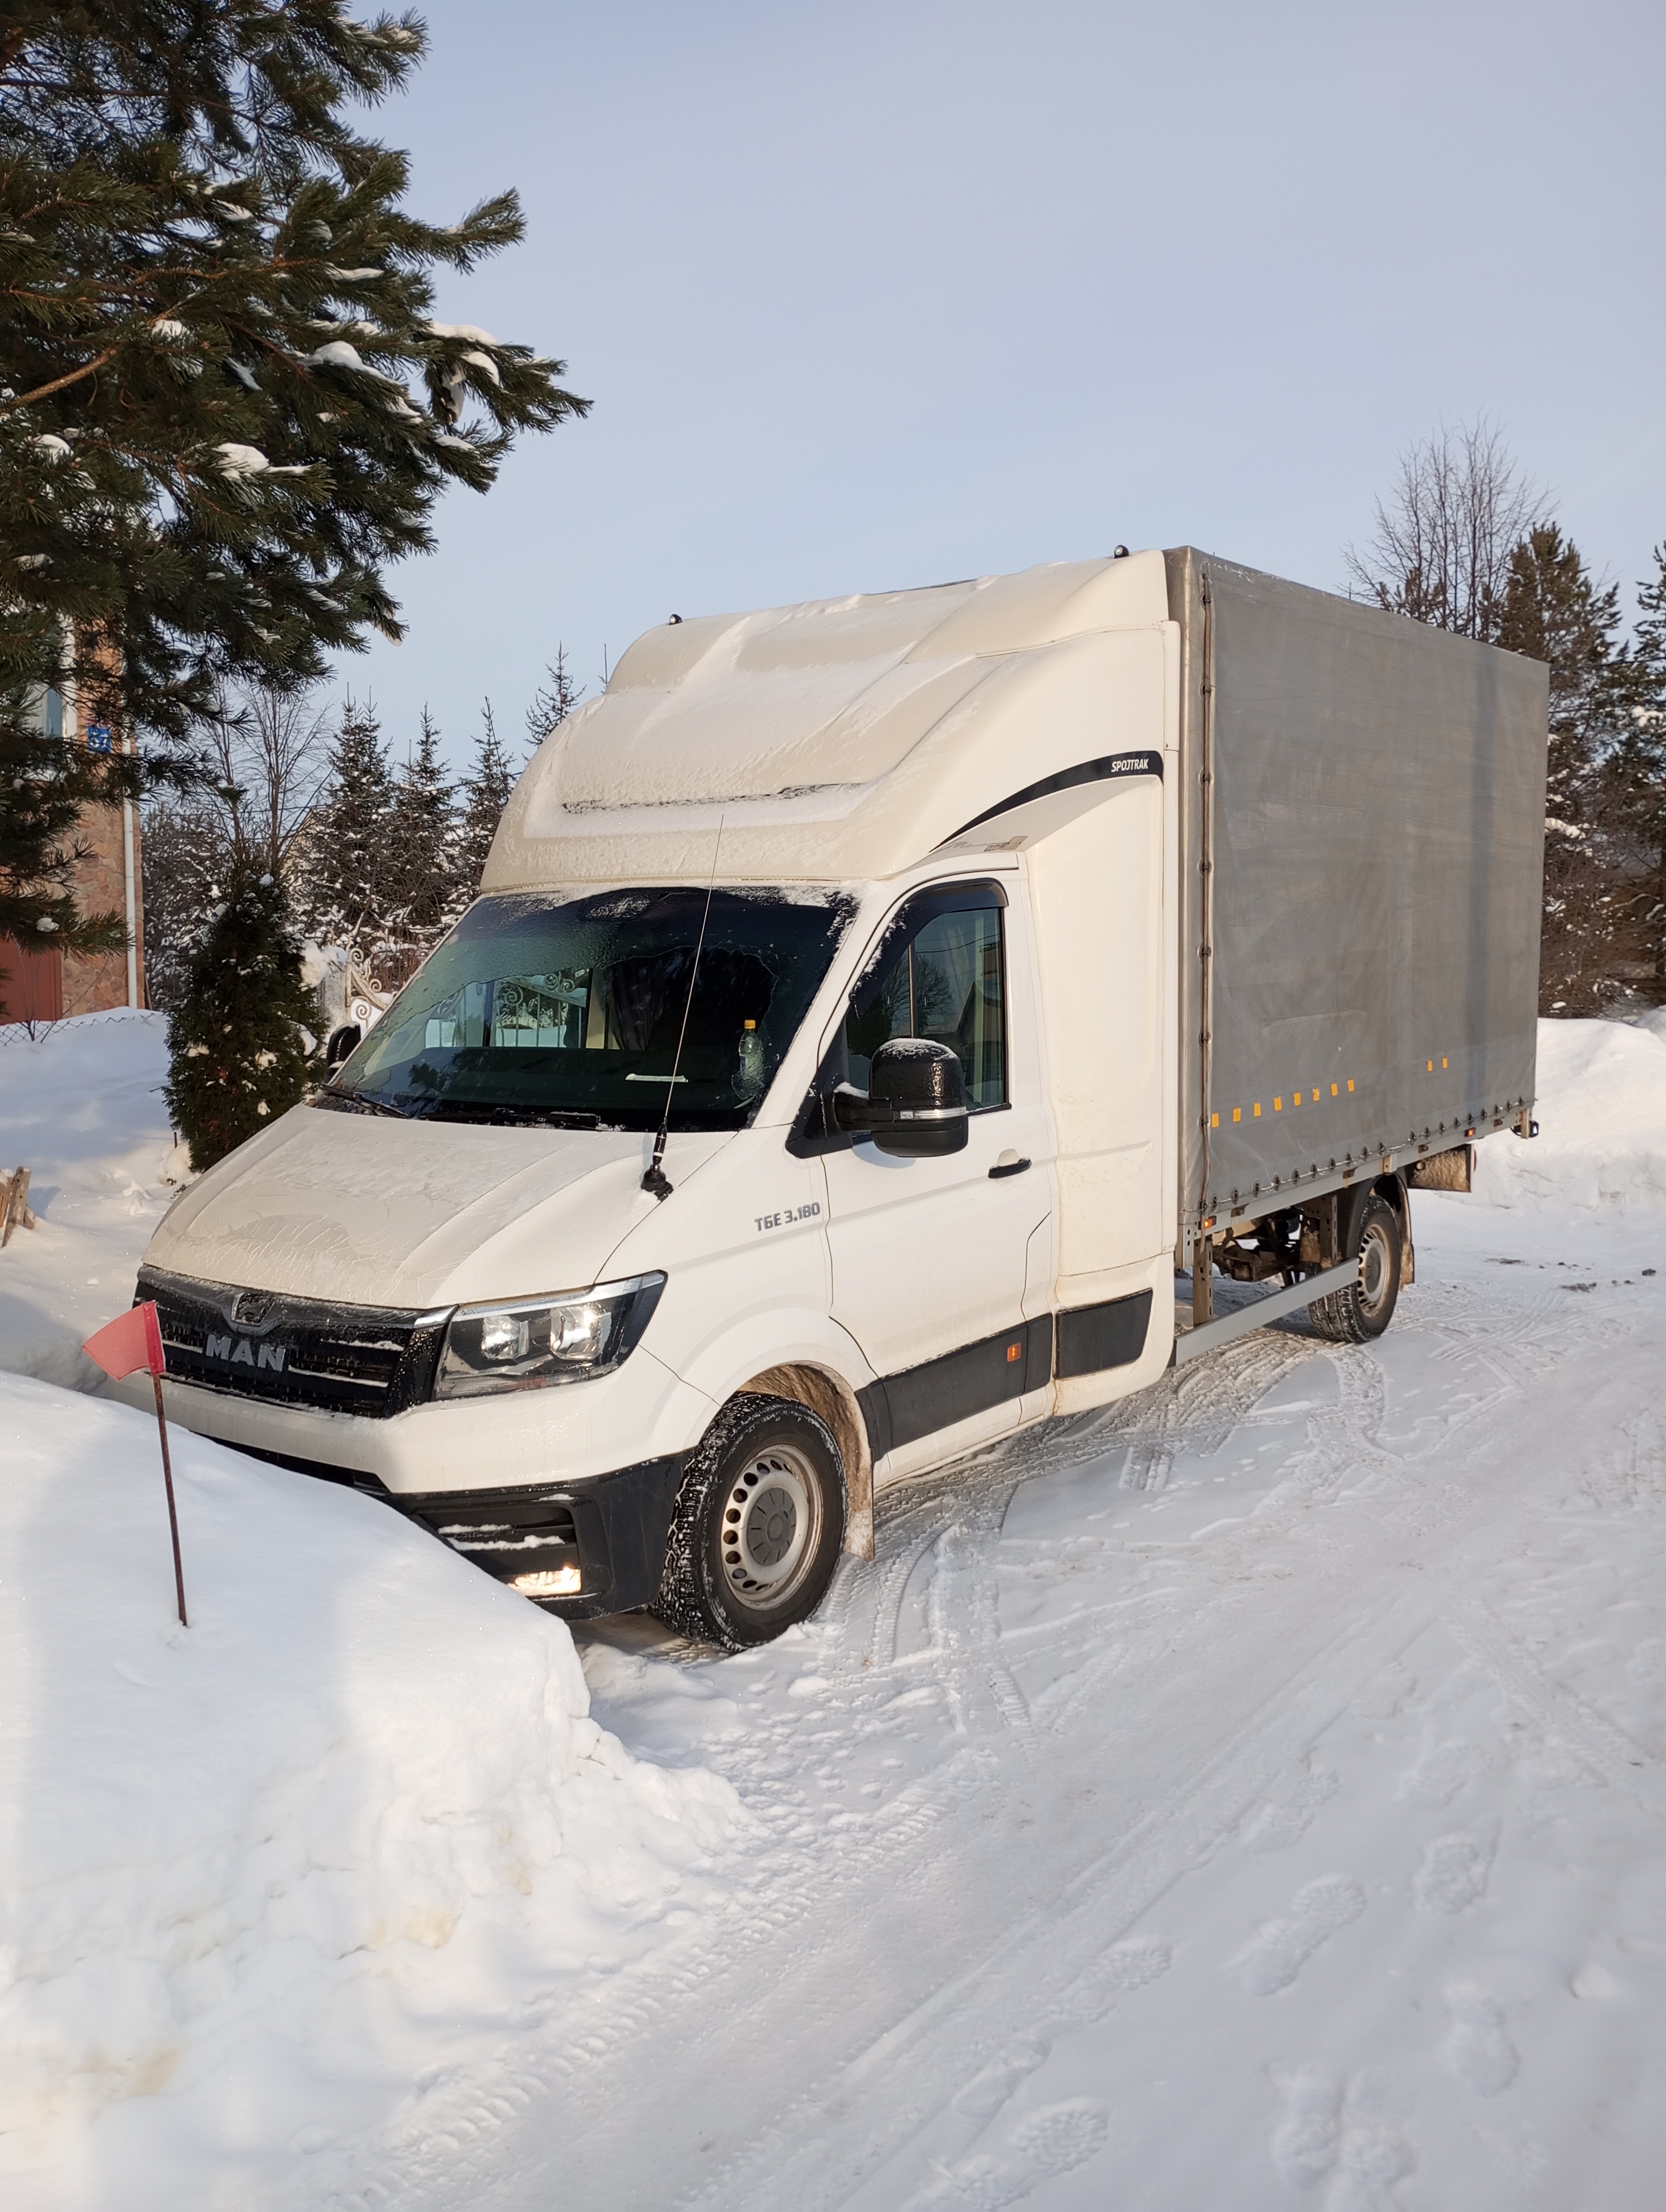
x,y
885,1024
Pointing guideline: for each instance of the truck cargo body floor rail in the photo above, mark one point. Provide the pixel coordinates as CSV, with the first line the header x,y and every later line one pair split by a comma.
x,y
1193,1343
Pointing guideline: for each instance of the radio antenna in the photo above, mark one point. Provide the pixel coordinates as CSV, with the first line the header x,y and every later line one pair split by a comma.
x,y
653,1176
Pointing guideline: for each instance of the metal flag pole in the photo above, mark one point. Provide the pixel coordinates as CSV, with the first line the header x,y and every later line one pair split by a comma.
x,y
172,1512
121,1348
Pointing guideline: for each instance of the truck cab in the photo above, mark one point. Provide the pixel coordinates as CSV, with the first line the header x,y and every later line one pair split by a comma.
x,y
810,1096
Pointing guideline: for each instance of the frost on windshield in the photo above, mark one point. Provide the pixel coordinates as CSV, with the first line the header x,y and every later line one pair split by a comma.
x,y
594,1009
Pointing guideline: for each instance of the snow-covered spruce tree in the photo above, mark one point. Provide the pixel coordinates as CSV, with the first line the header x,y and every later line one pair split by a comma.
x,y
224,406
424,831
347,888
486,791
186,857
1552,610
1637,776
552,703
240,1048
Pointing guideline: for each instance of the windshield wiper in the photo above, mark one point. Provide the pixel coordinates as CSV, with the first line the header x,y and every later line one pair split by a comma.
x,y
515,1117
355,1102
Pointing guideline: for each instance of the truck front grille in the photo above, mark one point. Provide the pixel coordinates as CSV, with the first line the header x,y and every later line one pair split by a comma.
x,y
367,1360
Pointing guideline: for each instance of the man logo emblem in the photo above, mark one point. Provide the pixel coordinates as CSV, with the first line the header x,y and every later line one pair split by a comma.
x,y
242,1353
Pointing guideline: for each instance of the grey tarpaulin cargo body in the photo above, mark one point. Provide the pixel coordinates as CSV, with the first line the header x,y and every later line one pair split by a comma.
x,y
1363,831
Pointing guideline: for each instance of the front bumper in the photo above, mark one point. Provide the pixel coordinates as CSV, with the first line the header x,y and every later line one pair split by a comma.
x,y
580,1476
611,1528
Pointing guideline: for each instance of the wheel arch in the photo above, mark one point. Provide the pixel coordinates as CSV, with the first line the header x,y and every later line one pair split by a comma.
x,y
801,1354
828,1393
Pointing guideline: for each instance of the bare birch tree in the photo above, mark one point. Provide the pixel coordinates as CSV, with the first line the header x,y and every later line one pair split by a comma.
x,y
270,756
1441,549
266,758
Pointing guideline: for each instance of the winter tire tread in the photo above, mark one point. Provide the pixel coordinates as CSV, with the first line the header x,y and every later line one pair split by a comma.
x,y
692,1598
1344,1316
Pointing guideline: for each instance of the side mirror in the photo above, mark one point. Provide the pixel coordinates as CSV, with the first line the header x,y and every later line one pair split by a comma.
x,y
916,1106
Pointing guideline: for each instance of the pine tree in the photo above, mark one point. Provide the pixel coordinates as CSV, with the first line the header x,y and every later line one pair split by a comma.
x,y
47,785
1552,610
225,410
486,791
424,825
186,856
240,1052
552,703
348,886
1638,771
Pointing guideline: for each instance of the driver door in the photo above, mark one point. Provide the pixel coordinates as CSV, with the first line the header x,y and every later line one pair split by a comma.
x,y
932,1258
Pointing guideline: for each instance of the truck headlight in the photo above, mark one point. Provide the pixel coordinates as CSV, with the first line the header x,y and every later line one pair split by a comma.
x,y
537,1341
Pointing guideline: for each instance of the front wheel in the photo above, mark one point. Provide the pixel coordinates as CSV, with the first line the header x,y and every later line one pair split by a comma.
x,y
756,1531
1365,1308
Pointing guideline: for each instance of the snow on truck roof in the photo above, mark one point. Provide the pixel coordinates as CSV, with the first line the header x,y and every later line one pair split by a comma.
x,y
840,739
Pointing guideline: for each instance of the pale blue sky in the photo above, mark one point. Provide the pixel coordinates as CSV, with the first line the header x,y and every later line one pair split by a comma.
x,y
876,294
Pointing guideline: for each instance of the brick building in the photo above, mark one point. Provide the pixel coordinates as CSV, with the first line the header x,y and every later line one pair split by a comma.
x,y
41,984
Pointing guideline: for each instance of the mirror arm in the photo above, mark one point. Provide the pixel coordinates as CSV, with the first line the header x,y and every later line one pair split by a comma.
x,y
855,1113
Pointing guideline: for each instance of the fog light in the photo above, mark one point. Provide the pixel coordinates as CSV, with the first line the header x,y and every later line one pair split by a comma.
x,y
549,1582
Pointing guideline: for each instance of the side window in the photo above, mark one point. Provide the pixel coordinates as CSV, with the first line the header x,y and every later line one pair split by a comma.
x,y
940,973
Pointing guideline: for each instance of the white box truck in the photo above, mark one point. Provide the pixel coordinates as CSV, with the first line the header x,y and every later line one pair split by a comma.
x,y
883,1023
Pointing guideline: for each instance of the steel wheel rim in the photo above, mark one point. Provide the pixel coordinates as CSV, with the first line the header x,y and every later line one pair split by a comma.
x,y
771,1527
1375,1268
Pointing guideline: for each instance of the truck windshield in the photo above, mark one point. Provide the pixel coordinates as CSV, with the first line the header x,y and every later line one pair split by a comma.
x,y
535,1010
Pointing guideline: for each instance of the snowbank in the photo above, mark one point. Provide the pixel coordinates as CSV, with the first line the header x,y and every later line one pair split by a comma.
x,y
81,1107
1602,1113
258,1877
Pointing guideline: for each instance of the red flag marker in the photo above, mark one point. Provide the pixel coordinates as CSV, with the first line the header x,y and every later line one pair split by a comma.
x,y
123,1347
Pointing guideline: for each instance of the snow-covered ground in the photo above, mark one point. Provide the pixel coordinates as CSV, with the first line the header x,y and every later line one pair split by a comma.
x,y
258,1877
1253,1796
80,1106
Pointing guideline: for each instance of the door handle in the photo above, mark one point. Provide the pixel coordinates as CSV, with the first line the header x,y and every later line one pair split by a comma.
x,y
1009,1163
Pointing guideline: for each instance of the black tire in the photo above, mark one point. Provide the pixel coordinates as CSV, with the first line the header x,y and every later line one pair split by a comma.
x,y
1364,1310
758,1526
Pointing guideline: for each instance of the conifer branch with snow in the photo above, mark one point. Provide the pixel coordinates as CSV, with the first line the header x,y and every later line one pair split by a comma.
x,y
225,407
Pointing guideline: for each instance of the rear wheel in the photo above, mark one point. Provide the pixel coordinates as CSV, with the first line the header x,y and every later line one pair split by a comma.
x,y
759,1520
1365,1308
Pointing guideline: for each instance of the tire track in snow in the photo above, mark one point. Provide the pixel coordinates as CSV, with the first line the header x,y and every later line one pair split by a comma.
x,y
1349,1436
1615,1756
1341,1441
1005,1831
1199,1408
1019,1991
813,1903
966,1622
1344,1441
